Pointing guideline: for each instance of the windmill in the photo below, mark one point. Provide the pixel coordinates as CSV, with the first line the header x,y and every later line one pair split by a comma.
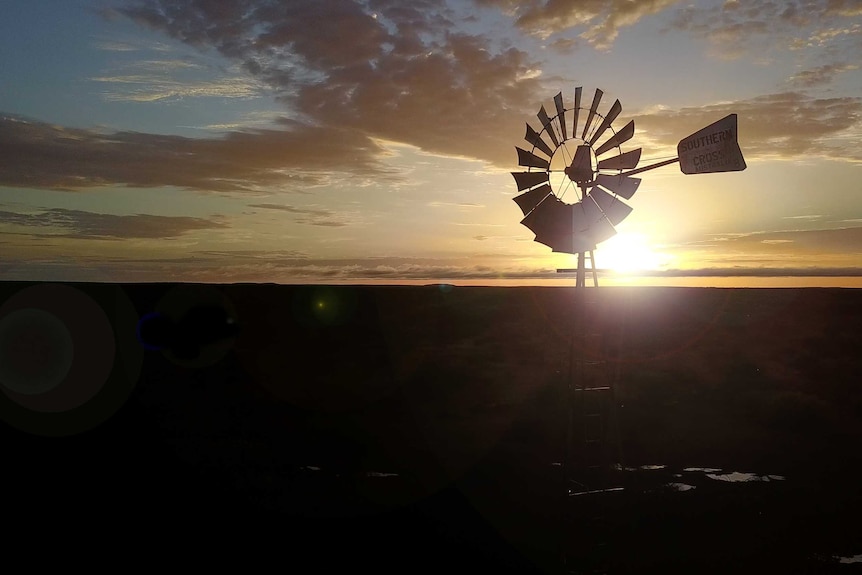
x,y
577,155
596,174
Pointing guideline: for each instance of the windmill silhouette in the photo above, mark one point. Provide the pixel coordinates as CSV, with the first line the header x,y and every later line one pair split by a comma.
x,y
587,164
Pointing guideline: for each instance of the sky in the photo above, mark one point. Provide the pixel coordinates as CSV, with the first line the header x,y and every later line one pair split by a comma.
x,y
373,141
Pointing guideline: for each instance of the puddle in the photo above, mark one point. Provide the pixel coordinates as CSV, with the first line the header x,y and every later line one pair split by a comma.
x,y
573,493
681,486
702,469
310,468
854,559
652,467
739,477
380,474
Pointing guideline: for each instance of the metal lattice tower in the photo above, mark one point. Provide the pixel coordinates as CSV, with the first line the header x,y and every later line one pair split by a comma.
x,y
592,465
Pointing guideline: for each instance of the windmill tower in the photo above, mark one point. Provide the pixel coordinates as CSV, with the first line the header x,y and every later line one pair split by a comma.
x,y
586,165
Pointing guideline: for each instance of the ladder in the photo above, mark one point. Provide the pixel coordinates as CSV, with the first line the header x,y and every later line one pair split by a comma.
x,y
593,453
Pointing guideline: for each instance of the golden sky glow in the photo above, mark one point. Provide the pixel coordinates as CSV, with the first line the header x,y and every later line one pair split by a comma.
x,y
372,141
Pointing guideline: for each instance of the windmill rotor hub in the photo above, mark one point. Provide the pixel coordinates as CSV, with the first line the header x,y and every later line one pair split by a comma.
x,y
573,187
581,170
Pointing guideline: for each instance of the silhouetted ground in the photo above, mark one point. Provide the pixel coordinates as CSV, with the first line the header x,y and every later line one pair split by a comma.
x,y
417,428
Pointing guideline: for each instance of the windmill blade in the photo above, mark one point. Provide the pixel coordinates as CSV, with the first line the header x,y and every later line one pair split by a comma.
x,y
546,124
534,138
569,244
592,213
529,200
596,99
620,137
601,231
550,218
619,184
579,218
561,113
624,161
526,180
606,123
577,238
531,160
577,110
560,231
614,208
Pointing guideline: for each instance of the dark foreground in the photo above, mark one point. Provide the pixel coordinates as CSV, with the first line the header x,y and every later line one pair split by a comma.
x,y
408,429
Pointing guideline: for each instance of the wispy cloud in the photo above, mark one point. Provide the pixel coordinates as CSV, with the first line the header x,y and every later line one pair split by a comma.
x,y
468,205
263,267
598,21
249,120
40,155
735,28
758,271
311,216
142,88
175,78
114,46
810,217
824,36
846,241
63,223
820,76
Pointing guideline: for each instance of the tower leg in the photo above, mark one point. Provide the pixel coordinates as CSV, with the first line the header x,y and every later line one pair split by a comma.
x,y
593,267
580,280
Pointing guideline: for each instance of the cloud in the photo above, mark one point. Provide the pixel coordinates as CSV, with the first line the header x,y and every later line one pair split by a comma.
x,y
113,46
825,36
820,76
783,125
844,241
759,271
564,45
454,204
602,19
389,70
41,155
286,267
312,216
151,88
735,28
153,80
89,225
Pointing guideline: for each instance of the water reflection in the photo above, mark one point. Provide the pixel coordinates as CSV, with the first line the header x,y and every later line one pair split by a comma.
x,y
736,476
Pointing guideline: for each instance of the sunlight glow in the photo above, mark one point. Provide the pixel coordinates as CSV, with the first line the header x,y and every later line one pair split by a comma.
x,y
630,252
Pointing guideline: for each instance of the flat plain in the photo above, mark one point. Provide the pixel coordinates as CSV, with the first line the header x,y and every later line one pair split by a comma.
x,y
424,428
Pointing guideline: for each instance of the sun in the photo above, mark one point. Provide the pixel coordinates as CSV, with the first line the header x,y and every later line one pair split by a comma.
x,y
626,253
